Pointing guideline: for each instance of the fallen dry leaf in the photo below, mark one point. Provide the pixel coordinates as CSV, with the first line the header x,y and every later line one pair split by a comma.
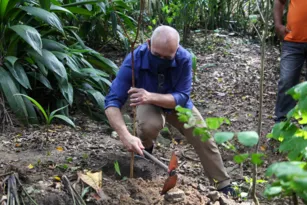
x,y
30,166
92,179
60,149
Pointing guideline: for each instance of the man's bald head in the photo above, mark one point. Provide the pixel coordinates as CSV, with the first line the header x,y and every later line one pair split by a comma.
x,y
165,41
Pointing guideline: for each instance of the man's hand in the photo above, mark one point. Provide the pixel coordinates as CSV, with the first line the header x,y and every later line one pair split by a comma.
x,y
281,31
133,144
139,96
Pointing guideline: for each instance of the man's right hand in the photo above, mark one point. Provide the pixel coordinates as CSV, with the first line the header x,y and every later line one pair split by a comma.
x,y
281,31
133,144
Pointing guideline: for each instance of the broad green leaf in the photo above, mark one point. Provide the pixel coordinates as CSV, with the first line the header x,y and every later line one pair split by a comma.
x,y
49,60
103,63
75,4
30,35
256,158
249,138
273,190
66,119
56,8
295,146
3,5
9,90
197,131
46,16
81,11
297,91
36,104
19,74
38,76
183,118
53,45
94,72
240,158
221,137
98,97
45,4
67,91
214,123
69,61
11,59
284,170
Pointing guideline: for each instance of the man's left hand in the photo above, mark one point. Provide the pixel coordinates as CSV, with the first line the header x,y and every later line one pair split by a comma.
x,y
139,96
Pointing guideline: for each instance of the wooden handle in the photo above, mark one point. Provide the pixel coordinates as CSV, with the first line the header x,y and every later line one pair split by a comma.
x,y
158,162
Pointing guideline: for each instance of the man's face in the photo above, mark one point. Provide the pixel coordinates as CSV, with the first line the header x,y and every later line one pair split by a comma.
x,y
163,51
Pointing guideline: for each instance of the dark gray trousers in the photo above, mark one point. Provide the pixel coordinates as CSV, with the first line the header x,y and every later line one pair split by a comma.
x,y
293,57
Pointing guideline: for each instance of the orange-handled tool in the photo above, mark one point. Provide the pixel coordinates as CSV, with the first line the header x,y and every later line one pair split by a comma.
x,y
171,169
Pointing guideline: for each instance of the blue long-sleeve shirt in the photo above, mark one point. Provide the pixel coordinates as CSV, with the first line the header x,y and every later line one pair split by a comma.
x,y
177,78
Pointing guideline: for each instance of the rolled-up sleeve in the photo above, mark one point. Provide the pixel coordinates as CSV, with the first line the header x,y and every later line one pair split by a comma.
x,y
121,84
183,87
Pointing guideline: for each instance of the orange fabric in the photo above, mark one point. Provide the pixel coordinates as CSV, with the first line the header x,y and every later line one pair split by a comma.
x,y
297,21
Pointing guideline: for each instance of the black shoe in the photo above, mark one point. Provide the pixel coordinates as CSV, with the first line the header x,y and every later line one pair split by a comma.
x,y
150,149
228,190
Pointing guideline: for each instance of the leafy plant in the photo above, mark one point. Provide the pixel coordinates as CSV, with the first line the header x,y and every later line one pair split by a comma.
x,y
52,115
291,176
203,130
40,53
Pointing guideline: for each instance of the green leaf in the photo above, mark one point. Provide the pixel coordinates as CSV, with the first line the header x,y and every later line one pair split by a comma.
x,y
297,91
69,61
249,138
52,114
38,76
66,119
81,11
56,8
67,91
183,118
53,45
81,3
45,4
240,158
49,60
284,170
36,104
114,22
3,5
9,90
222,137
117,169
273,190
214,123
256,158
46,16
19,74
98,97
30,35
94,72
103,63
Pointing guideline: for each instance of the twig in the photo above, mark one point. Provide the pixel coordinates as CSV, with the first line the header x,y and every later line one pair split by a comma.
x,y
133,80
25,191
73,192
6,174
255,199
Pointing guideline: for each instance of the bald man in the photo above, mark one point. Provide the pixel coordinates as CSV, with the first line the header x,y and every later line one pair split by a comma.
x,y
163,77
